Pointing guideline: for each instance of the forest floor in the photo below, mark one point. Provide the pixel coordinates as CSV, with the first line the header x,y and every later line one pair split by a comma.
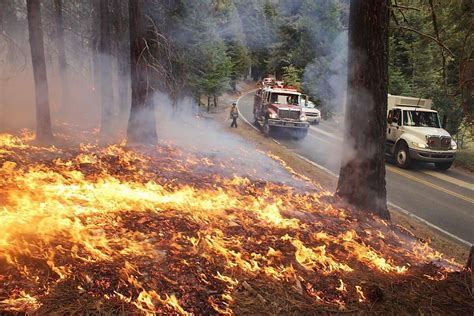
x,y
437,240
190,229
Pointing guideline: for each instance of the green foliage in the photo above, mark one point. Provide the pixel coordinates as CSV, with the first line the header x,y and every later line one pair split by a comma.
x,y
416,60
397,84
269,10
240,60
200,60
303,41
259,32
207,65
292,76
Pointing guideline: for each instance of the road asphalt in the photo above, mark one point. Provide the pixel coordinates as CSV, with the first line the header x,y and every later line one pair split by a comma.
x,y
442,199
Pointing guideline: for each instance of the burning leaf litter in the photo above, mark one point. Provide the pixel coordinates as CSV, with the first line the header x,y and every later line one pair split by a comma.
x,y
161,230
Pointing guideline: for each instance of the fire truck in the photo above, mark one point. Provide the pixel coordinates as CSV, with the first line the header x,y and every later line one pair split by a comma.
x,y
277,107
414,132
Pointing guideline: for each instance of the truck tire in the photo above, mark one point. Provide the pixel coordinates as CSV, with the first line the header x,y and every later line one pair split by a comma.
x,y
443,165
402,156
266,128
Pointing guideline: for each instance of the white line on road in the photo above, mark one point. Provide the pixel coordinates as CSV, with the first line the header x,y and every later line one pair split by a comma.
x,y
402,210
240,114
317,165
392,205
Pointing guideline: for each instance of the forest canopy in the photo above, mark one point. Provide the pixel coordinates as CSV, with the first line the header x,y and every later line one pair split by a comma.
x,y
203,48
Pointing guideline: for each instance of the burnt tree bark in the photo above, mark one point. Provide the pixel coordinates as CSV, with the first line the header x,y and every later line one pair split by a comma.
x,y
141,124
95,5
362,174
122,54
59,30
105,62
43,116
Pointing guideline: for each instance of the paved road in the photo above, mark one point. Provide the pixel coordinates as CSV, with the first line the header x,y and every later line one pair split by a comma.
x,y
444,200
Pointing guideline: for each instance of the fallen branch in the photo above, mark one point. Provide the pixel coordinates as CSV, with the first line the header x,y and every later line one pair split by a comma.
x,y
403,7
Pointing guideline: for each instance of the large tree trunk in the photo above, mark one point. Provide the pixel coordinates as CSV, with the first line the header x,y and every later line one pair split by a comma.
x,y
59,28
362,174
122,55
43,118
141,124
105,61
95,5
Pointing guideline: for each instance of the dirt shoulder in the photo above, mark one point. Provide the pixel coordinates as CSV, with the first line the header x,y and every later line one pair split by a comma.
x,y
438,241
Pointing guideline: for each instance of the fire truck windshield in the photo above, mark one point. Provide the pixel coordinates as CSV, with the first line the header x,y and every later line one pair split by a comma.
x,y
422,119
281,98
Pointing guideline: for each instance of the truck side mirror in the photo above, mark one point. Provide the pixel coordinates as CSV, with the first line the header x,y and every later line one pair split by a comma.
x,y
445,121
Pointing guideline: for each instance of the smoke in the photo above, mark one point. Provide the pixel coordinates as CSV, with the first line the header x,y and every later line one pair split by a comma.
x,y
198,133
326,78
184,128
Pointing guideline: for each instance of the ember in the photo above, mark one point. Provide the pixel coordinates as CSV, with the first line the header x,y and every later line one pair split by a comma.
x,y
160,230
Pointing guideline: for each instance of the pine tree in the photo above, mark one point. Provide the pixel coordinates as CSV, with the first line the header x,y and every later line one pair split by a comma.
x,y
141,124
362,174
43,118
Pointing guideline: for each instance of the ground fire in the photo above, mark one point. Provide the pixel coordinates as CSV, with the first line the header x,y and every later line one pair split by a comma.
x,y
87,229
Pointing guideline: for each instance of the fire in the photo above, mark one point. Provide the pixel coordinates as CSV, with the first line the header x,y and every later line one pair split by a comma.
x,y
165,231
360,293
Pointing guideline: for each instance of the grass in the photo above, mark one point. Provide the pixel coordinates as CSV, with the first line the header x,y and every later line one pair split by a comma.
x,y
465,158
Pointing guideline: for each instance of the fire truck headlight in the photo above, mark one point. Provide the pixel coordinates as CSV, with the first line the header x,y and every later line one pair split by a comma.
x,y
454,146
273,115
420,145
303,118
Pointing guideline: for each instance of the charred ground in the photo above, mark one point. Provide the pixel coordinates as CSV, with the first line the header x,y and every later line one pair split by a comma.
x,y
161,230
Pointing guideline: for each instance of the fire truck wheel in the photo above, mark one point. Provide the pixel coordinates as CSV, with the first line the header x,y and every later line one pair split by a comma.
x,y
266,128
402,156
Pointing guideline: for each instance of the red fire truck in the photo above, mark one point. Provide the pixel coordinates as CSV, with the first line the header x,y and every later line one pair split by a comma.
x,y
280,108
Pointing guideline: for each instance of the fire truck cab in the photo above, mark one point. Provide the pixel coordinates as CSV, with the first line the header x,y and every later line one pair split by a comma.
x,y
280,108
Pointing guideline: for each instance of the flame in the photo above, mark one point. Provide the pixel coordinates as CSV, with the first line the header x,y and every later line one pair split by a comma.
x,y
360,293
164,230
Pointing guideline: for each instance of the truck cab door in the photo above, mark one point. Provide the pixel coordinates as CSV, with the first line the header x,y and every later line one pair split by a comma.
x,y
394,125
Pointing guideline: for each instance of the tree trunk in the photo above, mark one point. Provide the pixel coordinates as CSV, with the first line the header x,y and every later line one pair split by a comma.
x,y
208,103
59,27
123,57
215,101
43,117
362,173
141,124
105,55
95,50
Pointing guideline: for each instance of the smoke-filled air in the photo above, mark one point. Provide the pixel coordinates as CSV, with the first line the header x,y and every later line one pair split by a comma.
x,y
227,157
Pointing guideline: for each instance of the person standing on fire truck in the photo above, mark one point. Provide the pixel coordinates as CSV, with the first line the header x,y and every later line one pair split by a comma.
x,y
234,114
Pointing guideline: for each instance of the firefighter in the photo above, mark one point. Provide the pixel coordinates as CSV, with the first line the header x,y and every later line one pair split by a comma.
x,y
234,114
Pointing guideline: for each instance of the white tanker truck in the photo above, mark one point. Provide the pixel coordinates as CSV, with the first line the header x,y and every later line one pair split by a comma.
x,y
414,132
